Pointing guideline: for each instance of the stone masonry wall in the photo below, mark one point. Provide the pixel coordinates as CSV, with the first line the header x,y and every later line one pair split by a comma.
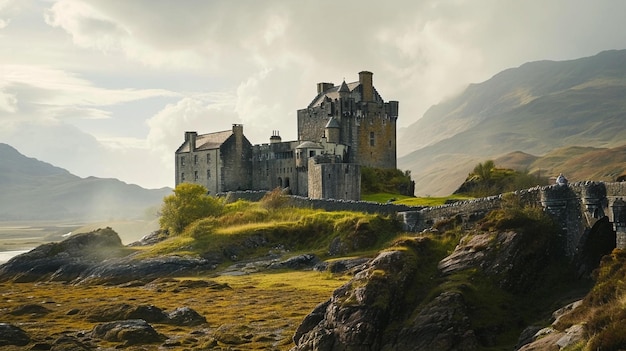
x,y
576,207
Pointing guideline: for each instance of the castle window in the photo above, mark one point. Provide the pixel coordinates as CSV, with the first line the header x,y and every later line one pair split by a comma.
x,y
208,173
311,153
182,177
195,175
208,158
372,139
182,160
195,159
389,143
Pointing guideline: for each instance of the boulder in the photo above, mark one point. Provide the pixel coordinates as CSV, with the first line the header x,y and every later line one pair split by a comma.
x,y
131,332
12,335
109,313
185,316
296,262
64,260
32,309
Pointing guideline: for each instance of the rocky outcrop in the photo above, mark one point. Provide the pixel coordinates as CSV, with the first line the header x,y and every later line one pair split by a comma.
x,y
96,257
401,300
63,261
12,335
358,313
130,332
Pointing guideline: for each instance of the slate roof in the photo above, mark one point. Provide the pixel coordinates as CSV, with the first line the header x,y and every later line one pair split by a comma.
x,y
309,145
332,123
333,93
208,141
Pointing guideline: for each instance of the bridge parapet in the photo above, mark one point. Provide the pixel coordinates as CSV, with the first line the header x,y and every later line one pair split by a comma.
x,y
575,206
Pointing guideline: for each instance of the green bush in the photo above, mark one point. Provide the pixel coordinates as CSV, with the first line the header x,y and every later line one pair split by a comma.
x,y
486,179
189,203
393,181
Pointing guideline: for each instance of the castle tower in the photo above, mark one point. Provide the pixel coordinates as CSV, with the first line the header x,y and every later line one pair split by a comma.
x,y
332,130
365,78
619,222
367,124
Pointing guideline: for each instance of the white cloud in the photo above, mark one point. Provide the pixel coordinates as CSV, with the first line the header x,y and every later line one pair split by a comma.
x,y
8,102
202,113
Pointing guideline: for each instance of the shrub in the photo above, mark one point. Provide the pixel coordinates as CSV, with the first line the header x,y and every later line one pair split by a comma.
x,y
274,199
189,203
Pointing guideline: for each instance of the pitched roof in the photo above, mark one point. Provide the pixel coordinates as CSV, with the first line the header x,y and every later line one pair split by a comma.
x,y
332,123
208,141
333,93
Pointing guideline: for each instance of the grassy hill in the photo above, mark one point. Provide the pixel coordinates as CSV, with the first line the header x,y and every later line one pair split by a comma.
x,y
535,108
576,162
35,190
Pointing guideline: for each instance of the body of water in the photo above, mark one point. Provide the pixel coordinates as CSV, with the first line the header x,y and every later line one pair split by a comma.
x,y
7,255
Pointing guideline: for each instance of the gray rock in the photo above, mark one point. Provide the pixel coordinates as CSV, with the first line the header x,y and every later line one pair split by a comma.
x,y
296,262
12,335
185,316
131,332
109,313
64,260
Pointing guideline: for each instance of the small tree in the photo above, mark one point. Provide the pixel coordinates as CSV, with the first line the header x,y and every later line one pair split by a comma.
x,y
189,203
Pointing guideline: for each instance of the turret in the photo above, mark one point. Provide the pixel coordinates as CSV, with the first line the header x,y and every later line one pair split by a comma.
x,y
332,130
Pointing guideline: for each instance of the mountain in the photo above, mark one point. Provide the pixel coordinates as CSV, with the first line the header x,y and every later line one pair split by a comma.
x,y
575,162
33,190
535,108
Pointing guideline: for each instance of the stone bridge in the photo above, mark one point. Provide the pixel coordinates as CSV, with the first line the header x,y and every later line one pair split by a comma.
x,y
577,207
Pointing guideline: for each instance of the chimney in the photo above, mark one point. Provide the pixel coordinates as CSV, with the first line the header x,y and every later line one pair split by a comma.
x,y
365,78
322,87
275,138
191,138
238,131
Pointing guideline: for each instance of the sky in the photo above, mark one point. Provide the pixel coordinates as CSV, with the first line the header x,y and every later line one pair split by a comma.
x,y
107,88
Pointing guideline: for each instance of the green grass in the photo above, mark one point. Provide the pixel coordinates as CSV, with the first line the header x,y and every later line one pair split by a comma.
x,y
412,201
296,229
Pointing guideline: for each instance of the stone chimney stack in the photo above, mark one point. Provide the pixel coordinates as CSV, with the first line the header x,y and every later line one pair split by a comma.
x,y
365,78
238,131
322,87
275,138
191,138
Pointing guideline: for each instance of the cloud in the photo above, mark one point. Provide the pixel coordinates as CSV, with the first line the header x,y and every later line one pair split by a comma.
x,y
132,76
53,93
202,113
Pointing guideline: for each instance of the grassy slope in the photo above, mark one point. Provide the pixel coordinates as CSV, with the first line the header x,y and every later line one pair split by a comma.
x,y
577,163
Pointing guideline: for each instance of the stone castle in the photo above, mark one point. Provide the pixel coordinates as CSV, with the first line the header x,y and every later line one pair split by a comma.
x,y
343,128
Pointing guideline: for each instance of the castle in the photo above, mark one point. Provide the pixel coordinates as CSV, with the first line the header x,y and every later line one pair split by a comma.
x,y
343,128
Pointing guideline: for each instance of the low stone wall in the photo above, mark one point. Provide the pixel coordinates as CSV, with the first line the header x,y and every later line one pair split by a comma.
x,y
326,204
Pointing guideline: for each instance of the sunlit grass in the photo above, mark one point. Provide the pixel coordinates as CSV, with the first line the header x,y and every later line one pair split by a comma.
x,y
412,201
268,305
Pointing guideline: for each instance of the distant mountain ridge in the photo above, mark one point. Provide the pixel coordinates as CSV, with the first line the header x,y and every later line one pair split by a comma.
x,y
36,190
576,162
535,108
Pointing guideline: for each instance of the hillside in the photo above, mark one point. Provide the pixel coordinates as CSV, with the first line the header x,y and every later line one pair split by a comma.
x,y
258,276
535,108
35,190
576,162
